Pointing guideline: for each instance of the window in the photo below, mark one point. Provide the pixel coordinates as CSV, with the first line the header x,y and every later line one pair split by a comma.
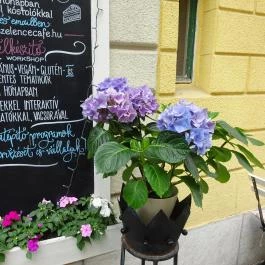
x,y
186,38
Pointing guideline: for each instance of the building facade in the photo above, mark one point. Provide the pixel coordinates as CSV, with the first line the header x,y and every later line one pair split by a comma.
x,y
228,74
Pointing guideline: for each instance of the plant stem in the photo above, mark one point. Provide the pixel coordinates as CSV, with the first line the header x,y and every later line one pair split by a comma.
x,y
150,118
134,177
172,171
223,144
177,182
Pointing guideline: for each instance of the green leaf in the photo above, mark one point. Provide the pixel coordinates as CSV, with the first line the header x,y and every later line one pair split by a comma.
x,y
220,153
250,156
110,174
3,247
111,156
220,133
127,173
81,244
191,166
177,172
212,115
2,257
3,237
135,145
132,133
233,132
152,127
145,143
204,186
195,190
163,106
50,226
135,193
79,238
221,172
169,147
255,141
172,191
96,138
243,161
29,255
158,179
200,163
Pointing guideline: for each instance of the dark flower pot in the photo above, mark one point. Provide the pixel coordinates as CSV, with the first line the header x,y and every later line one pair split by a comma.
x,y
161,234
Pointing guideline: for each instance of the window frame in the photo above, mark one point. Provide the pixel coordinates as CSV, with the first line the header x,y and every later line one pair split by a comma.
x,y
190,47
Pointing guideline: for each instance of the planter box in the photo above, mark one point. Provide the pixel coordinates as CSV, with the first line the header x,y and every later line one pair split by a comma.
x,y
63,250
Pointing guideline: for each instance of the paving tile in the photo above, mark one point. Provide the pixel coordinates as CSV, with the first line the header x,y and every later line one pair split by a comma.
x,y
252,241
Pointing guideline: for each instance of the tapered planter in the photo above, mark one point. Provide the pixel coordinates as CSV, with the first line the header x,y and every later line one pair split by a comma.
x,y
154,205
160,234
63,250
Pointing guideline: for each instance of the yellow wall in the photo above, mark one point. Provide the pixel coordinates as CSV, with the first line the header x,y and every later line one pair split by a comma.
x,y
229,78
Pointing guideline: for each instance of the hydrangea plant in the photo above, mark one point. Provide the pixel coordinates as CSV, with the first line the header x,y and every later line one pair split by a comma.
x,y
167,145
85,219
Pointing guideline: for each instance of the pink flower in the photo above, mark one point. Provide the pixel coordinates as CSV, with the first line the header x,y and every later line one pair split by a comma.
x,y
29,218
72,200
10,218
64,201
6,222
86,230
40,225
14,216
33,244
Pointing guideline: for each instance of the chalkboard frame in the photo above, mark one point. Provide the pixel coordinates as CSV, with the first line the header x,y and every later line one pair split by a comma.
x,y
100,34
98,15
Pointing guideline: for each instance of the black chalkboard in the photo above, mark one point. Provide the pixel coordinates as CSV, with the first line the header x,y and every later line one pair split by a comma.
x,y
45,73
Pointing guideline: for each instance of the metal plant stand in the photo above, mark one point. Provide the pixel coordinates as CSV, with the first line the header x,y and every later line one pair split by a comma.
x,y
154,257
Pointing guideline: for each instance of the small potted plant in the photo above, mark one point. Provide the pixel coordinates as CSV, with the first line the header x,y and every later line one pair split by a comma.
x,y
158,147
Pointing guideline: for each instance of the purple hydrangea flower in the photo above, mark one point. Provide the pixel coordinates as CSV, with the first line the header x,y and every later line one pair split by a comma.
x,y
116,100
95,107
119,84
191,121
121,106
143,100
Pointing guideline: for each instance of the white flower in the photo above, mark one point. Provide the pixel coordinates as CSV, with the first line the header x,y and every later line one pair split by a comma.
x,y
96,202
105,210
44,201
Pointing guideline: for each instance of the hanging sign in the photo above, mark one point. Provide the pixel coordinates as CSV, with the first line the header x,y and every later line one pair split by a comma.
x,y
45,73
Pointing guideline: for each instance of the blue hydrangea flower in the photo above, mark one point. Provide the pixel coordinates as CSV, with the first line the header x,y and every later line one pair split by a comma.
x,y
191,121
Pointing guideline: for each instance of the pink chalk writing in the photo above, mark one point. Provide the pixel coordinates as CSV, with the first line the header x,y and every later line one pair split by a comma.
x,y
9,46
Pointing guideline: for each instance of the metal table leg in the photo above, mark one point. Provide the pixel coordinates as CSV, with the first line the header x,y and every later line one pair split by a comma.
x,y
175,262
122,255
